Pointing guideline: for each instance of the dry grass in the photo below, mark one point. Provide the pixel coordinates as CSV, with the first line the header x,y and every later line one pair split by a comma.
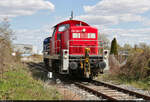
x,y
136,71
137,66
36,58
114,65
6,59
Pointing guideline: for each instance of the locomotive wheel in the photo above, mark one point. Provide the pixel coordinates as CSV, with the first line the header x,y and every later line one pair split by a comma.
x,y
91,77
55,66
46,63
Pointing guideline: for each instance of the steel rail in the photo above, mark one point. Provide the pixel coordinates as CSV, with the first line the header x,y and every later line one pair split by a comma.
x,y
94,91
138,95
39,67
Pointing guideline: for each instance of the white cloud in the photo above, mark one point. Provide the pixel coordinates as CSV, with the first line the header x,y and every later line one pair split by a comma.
x,y
110,7
112,19
112,12
130,18
131,36
98,19
13,8
34,36
107,13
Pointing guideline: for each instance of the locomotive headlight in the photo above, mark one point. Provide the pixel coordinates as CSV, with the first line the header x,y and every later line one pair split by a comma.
x,y
105,57
83,30
105,54
65,56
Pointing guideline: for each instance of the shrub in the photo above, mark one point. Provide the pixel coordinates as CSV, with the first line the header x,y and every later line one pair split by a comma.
x,y
5,46
114,49
138,65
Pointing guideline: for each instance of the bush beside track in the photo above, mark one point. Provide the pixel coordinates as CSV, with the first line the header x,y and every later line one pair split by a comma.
x,y
135,72
16,82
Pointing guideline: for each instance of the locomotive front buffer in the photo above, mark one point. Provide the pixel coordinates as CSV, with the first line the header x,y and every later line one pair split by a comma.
x,y
85,65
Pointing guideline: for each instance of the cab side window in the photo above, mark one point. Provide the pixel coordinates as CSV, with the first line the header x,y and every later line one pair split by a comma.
x,y
54,32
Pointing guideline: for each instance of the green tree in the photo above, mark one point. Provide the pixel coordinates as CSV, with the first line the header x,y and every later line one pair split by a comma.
x,y
114,49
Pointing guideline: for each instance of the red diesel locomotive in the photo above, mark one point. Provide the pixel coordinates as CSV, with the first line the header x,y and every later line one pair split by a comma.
x,y
74,49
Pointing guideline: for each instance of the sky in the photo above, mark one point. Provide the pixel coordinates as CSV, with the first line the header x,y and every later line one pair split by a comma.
x,y
32,20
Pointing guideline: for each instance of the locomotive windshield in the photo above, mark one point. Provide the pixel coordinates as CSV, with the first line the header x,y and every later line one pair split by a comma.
x,y
63,27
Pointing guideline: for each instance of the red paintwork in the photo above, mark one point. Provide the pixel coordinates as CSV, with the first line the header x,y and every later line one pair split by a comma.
x,y
76,46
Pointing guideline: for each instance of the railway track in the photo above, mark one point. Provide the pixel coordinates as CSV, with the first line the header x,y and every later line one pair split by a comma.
x,y
39,67
100,89
110,92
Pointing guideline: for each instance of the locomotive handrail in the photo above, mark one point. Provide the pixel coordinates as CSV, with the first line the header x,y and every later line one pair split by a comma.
x,y
84,45
58,47
86,40
98,46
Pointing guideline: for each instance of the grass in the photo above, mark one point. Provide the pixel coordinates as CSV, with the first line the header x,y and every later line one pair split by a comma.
x,y
18,84
36,57
142,84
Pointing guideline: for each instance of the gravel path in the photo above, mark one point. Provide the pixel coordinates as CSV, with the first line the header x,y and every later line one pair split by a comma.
x,y
79,92
72,92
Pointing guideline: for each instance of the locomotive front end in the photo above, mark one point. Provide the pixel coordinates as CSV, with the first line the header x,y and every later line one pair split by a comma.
x,y
74,49
85,51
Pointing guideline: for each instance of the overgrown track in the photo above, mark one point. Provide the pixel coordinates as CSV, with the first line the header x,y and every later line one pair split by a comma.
x,y
98,88
37,66
110,92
